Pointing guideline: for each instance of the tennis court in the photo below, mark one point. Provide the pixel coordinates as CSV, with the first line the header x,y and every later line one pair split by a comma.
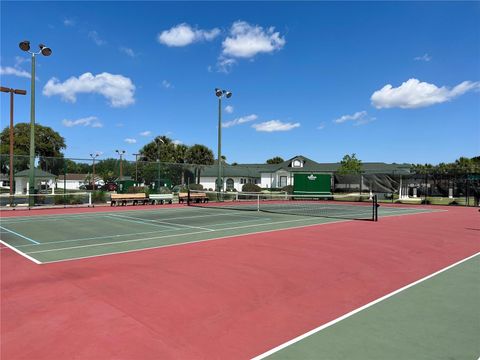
x,y
62,237
179,282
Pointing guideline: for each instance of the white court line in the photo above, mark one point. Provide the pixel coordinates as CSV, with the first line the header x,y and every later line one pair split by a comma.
x,y
148,221
129,219
193,242
94,215
135,234
19,235
351,313
176,235
21,253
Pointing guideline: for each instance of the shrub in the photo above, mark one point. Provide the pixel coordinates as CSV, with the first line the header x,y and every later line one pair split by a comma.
x,y
454,202
251,188
426,202
195,187
164,190
288,189
98,197
138,189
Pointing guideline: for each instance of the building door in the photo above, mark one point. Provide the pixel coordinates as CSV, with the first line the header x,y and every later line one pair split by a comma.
x,y
230,184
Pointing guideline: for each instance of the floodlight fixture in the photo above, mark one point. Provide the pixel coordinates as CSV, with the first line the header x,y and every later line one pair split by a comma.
x,y
24,45
46,51
218,92
228,94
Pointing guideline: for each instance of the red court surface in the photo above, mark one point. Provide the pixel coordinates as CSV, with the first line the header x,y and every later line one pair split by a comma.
x,y
225,299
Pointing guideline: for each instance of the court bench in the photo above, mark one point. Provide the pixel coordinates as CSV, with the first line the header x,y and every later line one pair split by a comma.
x,y
160,198
124,199
196,197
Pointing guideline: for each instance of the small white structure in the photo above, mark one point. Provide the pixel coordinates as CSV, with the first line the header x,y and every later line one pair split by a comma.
x,y
42,178
72,181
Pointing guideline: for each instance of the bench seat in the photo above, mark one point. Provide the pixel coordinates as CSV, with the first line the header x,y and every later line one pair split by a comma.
x,y
124,199
160,198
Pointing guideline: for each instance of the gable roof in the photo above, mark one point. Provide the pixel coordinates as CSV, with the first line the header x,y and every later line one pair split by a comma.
x,y
255,170
39,173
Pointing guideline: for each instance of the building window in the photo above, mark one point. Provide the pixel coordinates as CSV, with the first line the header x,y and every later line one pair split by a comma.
x,y
297,163
283,181
230,184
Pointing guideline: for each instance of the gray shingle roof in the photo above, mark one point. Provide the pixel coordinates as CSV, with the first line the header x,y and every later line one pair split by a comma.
x,y
255,170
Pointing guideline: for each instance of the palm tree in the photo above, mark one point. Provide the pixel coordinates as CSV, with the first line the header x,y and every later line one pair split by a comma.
x,y
200,155
181,152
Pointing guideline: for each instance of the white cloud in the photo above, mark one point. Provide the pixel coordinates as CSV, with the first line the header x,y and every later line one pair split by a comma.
x,y
246,41
414,94
166,84
275,125
224,65
127,51
96,38
118,89
424,57
177,142
69,22
229,109
146,133
91,121
183,35
8,70
130,141
359,118
321,126
356,116
240,120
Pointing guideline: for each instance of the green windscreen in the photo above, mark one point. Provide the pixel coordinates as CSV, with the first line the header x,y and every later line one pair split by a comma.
x,y
305,184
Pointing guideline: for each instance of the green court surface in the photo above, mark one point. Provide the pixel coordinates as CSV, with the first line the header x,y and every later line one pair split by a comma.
x,y
53,238
438,318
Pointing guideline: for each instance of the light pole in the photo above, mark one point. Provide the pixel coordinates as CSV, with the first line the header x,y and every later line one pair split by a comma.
x,y
120,153
158,139
45,51
228,94
136,167
93,156
12,92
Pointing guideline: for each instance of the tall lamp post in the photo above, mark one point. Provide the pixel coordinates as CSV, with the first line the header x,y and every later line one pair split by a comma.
x,y
220,94
158,140
12,92
136,167
120,153
45,51
93,156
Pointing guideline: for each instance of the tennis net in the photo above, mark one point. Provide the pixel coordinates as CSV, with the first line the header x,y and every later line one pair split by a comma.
x,y
46,200
349,206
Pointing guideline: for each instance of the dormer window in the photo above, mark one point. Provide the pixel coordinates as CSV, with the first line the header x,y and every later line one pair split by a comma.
x,y
297,163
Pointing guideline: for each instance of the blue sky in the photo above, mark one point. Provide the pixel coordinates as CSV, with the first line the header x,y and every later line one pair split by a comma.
x,y
389,81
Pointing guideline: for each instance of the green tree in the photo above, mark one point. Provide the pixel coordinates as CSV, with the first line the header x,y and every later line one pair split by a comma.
x,y
275,160
48,144
199,155
350,165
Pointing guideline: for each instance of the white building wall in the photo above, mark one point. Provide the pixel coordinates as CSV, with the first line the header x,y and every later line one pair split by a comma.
x,y
266,180
70,184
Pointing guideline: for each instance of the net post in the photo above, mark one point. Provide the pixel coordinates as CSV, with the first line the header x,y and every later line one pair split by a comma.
x,y
89,199
375,208
188,197
258,202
